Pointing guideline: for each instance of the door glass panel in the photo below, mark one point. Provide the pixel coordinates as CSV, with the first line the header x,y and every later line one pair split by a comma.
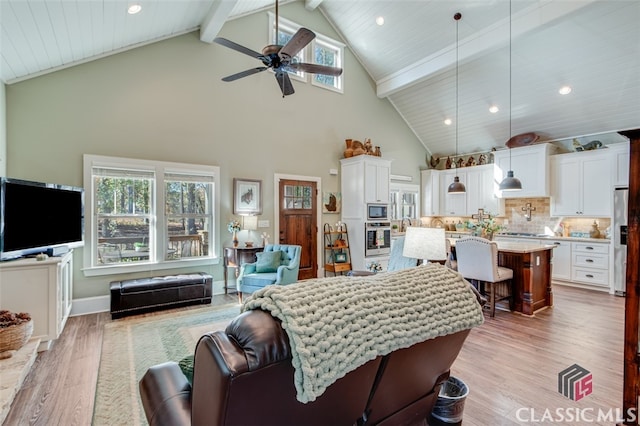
x,y
297,196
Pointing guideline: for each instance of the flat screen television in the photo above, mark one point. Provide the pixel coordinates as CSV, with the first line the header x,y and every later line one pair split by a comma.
x,y
37,216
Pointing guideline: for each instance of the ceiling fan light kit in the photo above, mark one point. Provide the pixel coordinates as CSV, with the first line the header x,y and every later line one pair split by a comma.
x,y
280,59
511,183
457,187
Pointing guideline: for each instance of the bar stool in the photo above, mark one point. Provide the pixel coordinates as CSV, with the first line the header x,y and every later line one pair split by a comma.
x,y
478,261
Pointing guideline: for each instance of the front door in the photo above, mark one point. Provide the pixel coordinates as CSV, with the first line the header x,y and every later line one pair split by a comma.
x,y
298,207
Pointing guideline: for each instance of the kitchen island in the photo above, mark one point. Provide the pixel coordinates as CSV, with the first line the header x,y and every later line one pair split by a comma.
x,y
531,265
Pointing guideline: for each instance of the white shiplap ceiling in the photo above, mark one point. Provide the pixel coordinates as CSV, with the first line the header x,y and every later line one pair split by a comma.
x,y
592,45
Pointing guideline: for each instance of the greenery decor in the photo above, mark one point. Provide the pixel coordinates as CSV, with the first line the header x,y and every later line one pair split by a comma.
x,y
488,226
233,226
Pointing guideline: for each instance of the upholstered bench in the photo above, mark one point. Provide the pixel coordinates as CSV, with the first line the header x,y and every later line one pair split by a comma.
x,y
153,293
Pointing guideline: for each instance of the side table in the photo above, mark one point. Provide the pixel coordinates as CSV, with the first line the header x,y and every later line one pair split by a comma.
x,y
236,256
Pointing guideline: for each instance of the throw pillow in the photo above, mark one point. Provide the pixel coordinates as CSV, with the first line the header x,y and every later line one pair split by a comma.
x,y
268,261
186,365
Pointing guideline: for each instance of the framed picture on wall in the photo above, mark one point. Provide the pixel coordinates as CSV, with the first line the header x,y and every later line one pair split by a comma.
x,y
247,196
331,202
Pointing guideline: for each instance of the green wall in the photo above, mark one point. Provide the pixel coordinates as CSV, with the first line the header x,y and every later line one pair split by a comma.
x,y
165,101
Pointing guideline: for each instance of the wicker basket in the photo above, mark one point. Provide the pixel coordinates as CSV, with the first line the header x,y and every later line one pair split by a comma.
x,y
14,337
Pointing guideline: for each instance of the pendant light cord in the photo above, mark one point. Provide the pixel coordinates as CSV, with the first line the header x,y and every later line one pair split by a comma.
x,y
510,85
457,17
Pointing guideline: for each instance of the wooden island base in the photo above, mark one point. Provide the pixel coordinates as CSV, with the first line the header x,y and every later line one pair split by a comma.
x,y
531,267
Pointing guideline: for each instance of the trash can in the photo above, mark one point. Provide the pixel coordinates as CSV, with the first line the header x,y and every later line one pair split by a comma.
x,y
450,403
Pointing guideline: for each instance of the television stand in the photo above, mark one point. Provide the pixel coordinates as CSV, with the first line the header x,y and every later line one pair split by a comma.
x,y
41,288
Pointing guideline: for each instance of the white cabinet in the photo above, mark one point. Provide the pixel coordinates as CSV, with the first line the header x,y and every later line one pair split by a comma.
x,y
376,180
482,190
365,179
561,260
453,204
582,184
620,154
530,164
430,181
590,264
41,288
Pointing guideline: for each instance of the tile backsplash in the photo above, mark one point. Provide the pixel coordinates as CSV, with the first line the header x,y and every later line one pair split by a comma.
x,y
541,220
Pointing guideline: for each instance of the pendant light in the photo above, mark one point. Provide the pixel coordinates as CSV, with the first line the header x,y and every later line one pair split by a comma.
x,y
457,187
510,183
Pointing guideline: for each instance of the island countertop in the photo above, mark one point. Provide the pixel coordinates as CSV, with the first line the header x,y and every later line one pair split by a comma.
x,y
515,247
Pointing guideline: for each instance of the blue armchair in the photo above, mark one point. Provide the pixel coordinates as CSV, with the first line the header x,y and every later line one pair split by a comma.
x,y
277,264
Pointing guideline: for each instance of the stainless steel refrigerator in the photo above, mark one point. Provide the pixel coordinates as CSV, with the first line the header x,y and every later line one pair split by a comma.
x,y
619,225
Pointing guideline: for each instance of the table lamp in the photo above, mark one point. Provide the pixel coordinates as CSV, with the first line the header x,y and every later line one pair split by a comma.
x,y
425,243
249,223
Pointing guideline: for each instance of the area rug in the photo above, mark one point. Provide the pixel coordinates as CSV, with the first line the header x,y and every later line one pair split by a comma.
x,y
131,345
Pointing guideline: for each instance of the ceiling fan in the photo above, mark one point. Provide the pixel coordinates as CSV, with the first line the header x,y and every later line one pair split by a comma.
x,y
281,59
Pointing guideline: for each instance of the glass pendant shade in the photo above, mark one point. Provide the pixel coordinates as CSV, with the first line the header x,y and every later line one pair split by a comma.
x,y
457,187
510,183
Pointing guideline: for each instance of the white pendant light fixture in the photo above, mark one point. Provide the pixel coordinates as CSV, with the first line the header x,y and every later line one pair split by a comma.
x,y
457,187
510,183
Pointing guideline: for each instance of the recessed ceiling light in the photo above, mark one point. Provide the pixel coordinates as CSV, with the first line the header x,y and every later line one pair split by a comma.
x,y
493,109
134,8
565,90
380,20
448,122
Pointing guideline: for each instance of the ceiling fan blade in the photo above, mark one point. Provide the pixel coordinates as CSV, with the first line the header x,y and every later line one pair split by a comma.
x,y
285,83
316,69
299,40
238,48
248,72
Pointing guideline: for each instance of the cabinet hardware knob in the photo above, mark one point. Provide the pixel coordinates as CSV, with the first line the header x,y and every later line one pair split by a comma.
x,y
589,260
589,276
589,248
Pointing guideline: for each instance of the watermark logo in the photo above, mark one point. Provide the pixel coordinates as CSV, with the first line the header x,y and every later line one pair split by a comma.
x,y
575,382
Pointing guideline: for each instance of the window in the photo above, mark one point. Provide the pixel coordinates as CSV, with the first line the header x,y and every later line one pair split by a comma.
x,y
142,212
327,52
322,51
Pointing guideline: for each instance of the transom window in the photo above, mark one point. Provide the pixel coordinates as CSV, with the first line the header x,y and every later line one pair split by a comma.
x,y
322,51
147,212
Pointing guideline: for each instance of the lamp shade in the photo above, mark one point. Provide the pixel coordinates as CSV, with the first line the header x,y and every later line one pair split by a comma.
x,y
456,187
250,223
510,183
425,243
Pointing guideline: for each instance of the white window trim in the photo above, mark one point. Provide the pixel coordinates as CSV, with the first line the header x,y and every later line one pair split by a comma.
x,y
326,41
159,167
308,51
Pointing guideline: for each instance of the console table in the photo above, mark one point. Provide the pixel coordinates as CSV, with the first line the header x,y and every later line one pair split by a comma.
x,y
236,256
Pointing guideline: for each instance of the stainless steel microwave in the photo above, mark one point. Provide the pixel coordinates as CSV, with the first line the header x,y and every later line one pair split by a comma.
x,y
377,211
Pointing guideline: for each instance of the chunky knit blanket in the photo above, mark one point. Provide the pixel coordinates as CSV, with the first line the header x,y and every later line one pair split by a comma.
x,y
336,324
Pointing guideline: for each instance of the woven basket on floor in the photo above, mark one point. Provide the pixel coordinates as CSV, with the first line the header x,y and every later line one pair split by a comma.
x,y
14,337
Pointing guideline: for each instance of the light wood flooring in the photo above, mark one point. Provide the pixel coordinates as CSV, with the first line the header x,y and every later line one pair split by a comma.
x,y
510,364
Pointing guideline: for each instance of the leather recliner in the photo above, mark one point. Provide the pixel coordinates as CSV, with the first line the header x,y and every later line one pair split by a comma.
x,y
244,376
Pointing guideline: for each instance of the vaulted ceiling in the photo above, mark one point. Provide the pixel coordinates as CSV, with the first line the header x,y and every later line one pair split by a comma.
x,y
513,55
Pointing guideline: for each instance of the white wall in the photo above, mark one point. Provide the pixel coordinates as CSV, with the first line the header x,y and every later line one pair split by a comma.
x,y
3,131
165,101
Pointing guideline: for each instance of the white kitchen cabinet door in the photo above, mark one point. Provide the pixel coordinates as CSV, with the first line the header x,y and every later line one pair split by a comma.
x,y
530,164
561,260
430,181
377,182
482,190
582,184
453,204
